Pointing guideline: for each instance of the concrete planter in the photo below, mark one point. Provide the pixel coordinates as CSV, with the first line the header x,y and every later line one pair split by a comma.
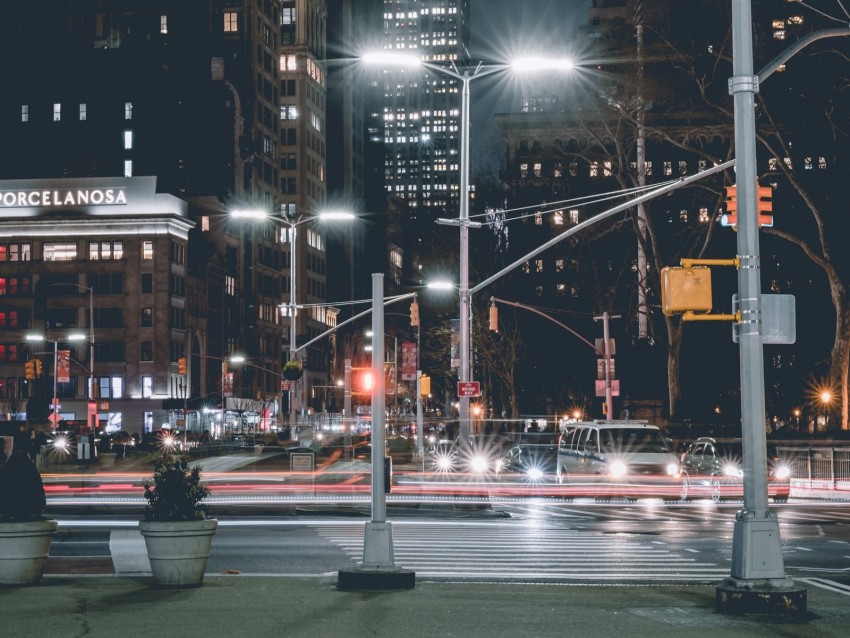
x,y
24,547
178,551
106,458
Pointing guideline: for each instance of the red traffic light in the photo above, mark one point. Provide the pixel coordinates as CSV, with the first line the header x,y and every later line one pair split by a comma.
x,y
362,381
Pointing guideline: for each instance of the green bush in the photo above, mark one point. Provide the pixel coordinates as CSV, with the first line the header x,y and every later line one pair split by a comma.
x,y
175,492
22,495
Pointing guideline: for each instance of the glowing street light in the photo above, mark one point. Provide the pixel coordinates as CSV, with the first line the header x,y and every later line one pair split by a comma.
x,y
464,76
54,414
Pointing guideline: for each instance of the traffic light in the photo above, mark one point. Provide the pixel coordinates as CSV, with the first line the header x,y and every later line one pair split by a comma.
x,y
29,370
765,205
37,367
424,385
414,314
731,216
494,318
685,289
362,381
181,365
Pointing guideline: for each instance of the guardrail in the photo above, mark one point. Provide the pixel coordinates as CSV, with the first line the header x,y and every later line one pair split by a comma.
x,y
824,468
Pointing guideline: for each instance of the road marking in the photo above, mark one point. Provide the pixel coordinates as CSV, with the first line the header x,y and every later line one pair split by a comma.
x,y
829,585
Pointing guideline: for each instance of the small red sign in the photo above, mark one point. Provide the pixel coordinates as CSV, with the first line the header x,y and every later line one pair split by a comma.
x,y
284,386
600,387
468,389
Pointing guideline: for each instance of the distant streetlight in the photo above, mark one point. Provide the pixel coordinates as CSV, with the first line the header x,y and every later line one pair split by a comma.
x,y
464,76
72,337
259,214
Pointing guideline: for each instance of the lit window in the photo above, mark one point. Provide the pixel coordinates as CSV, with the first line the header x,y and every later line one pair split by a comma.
x,y
779,24
683,167
146,318
797,20
594,169
229,285
147,386
822,163
205,223
683,215
773,163
538,169
128,168
538,265
574,216
561,289
60,252
538,218
231,22
523,170
128,139
779,35
668,168
648,167
807,163
289,63
128,110
163,24
559,264
558,218
82,112
57,112
147,249
703,215
25,113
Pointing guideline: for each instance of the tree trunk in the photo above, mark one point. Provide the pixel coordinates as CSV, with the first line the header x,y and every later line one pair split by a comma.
x,y
840,368
674,348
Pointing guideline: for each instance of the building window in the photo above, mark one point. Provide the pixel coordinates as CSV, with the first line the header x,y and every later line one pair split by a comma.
x,y
146,351
559,264
538,169
57,112
668,168
683,215
82,112
128,168
703,215
60,252
15,252
147,317
147,283
25,113
128,139
560,289
558,218
523,170
538,218
147,386
230,285
574,216
147,249
110,387
538,265
288,112
106,250
288,62
163,24
231,22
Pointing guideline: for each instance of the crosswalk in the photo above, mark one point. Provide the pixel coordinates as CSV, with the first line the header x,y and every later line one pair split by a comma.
x,y
469,551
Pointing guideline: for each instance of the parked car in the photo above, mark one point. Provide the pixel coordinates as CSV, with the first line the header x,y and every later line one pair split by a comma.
x,y
713,468
617,458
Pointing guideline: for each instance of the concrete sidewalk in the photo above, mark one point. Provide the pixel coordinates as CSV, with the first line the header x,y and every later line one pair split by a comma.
x,y
233,605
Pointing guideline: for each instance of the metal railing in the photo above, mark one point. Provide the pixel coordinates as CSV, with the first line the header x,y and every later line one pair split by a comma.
x,y
826,468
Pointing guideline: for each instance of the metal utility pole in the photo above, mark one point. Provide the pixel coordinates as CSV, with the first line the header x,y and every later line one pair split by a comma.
x,y
758,581
606,349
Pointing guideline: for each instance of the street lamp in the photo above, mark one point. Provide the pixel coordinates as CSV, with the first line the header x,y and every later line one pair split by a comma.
x,y
464,76
72,337
292,224
92,409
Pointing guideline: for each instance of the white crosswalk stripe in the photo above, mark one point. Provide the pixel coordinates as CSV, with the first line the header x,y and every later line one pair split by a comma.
x,y
521,552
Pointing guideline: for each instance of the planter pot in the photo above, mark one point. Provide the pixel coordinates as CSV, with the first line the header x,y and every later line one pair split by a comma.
x,y
178,551
24,547
106,458
292,375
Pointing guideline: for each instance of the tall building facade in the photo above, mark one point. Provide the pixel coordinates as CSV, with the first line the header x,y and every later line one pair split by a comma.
x,y
420,112
225,106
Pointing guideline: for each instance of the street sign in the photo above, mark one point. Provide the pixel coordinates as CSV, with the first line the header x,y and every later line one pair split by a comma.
x,y
600,387
54,418
284,386
469,389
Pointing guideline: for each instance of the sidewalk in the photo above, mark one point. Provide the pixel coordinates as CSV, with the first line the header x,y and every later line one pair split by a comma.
x,y
233,605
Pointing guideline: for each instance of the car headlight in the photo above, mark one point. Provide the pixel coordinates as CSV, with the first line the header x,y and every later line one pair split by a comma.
x,y
60,443
673,469
782,472
534,473
732,470
617,468
478,464
444,463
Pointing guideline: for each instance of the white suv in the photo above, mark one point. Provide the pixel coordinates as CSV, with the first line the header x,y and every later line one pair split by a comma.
x,y
623,458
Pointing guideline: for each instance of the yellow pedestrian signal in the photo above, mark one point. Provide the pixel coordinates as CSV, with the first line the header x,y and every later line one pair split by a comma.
x,y
424,385
684,289
181,365
414,314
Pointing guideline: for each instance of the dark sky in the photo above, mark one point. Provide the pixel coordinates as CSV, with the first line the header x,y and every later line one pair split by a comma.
x,y
502,30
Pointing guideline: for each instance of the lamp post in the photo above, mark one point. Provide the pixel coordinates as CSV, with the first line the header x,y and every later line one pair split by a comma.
x,y
55,403
92,395
465,77
292,225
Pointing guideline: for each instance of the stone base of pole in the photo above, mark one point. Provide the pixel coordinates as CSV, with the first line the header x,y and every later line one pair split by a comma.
x,y
378,570
767,597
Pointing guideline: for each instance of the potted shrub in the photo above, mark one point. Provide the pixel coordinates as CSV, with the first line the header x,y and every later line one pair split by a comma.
x,y
24,534
176,529
292,371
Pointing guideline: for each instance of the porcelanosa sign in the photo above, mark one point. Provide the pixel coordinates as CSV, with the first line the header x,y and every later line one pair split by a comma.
x,y
53,198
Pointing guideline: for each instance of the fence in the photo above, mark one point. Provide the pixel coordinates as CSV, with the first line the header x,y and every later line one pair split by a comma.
x,y
824,468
